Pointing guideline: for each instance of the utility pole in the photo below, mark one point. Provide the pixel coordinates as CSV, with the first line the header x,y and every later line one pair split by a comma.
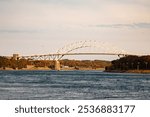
x,y
132,64
138,65
146,64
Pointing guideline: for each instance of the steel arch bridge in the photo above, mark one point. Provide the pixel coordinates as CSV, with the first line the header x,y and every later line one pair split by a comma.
x,y
105,49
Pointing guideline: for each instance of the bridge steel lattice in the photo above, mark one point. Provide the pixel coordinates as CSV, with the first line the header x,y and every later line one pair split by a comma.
x,y
106,49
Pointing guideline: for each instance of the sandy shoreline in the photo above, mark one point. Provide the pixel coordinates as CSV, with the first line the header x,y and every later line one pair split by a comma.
x,y
46,68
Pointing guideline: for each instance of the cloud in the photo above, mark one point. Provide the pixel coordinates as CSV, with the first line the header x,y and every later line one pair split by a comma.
x,y
142,25
134,25
20,31
60,21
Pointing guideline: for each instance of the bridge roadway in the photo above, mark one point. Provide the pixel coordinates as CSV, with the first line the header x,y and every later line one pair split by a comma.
x,y
58,56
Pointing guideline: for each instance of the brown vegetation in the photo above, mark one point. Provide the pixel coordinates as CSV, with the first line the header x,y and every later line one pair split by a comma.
x,y
76,64
130,63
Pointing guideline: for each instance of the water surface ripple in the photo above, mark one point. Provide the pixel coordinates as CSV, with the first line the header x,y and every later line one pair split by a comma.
x,y
64,85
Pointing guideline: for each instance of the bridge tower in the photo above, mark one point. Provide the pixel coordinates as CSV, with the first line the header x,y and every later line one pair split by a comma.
x,y
57,65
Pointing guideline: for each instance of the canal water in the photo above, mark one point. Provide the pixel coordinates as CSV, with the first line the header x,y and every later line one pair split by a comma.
x,y
73,85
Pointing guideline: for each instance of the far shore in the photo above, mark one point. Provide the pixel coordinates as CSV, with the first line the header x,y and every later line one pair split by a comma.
x,y
129,71
84,69
47,68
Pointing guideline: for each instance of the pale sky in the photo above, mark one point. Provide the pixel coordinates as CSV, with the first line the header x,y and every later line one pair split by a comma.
x,y
31,27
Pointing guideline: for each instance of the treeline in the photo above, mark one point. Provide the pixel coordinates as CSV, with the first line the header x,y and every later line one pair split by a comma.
x,y
85,63
22,63
11,63
131,63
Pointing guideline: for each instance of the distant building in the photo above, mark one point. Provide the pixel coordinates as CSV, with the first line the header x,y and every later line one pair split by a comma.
x,y
15,56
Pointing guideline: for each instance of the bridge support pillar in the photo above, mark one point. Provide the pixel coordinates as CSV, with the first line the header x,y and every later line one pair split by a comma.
x,y
57,65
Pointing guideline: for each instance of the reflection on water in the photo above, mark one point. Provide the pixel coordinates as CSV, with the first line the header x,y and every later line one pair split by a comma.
x,y
95,85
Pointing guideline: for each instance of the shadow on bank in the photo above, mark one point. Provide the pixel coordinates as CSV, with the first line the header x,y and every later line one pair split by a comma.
x,y
130,64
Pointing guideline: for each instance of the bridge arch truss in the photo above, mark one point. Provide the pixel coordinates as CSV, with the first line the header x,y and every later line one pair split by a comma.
x,y
106,49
